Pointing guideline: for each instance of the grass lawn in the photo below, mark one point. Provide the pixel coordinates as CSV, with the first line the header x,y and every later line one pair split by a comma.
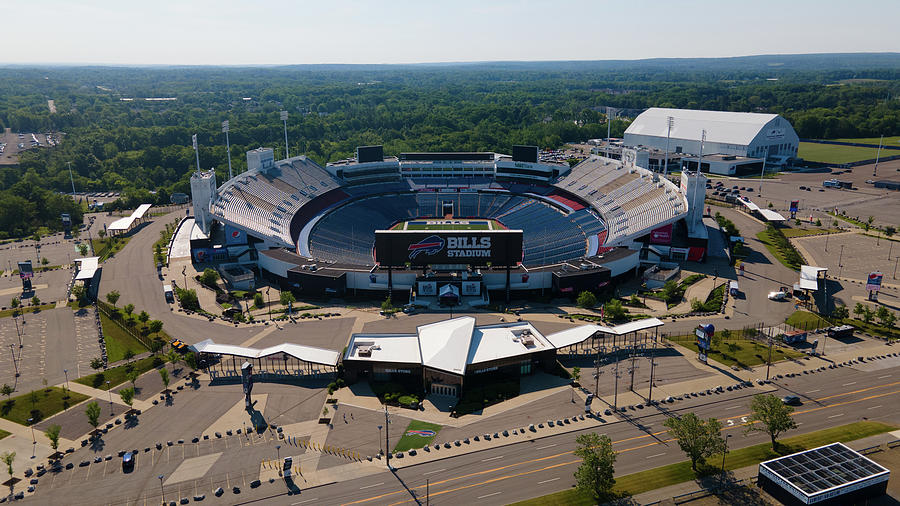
x,y
26,309
800,232
409,441
807,321
777,252
739,352
672,474
47,402
831,153
105,248
118,375
3,433
448,226
888,141
873,328
118,340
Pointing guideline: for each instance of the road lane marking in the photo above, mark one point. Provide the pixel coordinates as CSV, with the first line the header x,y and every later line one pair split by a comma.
x,y
488,495
835,416
657,455
547,481
492,458
814,391
848,384
875,407
545,447
306,501
885,376
732,407
370,486
578,461
432,472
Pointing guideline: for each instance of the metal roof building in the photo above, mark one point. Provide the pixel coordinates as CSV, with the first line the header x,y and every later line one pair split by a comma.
x,y
727,133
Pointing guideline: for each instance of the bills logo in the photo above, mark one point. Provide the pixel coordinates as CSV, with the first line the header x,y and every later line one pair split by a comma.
x,y
422,433
430,245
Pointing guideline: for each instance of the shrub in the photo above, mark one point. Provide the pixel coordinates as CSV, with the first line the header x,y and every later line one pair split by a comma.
x,y
586,299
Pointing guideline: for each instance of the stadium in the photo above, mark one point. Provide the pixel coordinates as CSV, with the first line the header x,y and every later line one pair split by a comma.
x,y
445,227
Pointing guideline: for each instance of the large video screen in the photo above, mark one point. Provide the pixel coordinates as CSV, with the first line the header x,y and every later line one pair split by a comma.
x,y
525,154
369,154
425,247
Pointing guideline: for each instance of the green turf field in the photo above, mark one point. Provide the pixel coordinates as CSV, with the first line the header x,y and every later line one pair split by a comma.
x,y
888,141
831,153
479,225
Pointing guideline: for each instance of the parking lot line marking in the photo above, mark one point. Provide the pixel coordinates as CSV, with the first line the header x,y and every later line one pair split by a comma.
x,y
835,416
875,407
814,391
885,376
489,495
547,481
370,486
306,501
848,384
657,455
492,458
432,472
732,407
545,447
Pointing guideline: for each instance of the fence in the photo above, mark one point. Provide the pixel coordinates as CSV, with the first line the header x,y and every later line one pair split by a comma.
x,y
141,339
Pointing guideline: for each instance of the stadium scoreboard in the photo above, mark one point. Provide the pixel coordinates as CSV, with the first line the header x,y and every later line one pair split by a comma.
x,y
498,248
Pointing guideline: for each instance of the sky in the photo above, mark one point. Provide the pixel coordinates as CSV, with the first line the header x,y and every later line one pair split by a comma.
x,y
263,32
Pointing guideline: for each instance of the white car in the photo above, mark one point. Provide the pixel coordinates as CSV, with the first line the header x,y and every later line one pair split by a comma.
x,y
777,295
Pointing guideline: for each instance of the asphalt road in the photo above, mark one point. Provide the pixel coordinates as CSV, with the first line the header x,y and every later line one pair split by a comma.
x,y
493,476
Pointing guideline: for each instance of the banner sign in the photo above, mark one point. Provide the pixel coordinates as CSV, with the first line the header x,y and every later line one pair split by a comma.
x,y
426,247
873,283
234,236
661,235
795,206
428,288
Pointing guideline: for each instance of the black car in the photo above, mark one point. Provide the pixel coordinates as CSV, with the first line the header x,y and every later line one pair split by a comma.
x,y
791,400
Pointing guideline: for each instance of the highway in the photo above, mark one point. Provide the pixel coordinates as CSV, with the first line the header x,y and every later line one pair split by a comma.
x,y
523,470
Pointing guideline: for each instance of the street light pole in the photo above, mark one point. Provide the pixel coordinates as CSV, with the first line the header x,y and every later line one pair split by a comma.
x,y
33,440
387,440
66,372
769,360
15,364
725,452
161,491
110,398
616,393
278,452
380,450
841,262
269,302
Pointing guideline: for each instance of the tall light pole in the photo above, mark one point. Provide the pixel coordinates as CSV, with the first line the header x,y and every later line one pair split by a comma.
x,y
109,391
380,450
762,173
66,372
878,156
616,393
72,180
670,122
841,261
284,116
724,452
33,439
161,491
15,364
196,150
227,146
609,112
269,304
700,157
278,452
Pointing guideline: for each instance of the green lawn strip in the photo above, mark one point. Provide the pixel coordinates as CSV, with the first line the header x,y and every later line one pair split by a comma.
x,y
888,141
801,232
409,441
105,248
805,320
118,375
848,220
118,340
3,433
873,328
780,255
47,402
739,352
680,472
834,153
26,309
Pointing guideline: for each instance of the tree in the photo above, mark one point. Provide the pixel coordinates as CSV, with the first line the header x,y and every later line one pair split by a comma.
x,y
35,301
576,373
129,308
696,305
889,231
209,277
173,356
613,310
669,291
191,360
386,305
885,316
697,438
164,374
771,415
595,474
6,390
155,326
52,433
93,413
258,299
79,292
97,363
128,355
840,313
144,317
101,233
586,299
14,302
83,249
868,314
113,297
8,459
188,299
859,309
127,395
132,377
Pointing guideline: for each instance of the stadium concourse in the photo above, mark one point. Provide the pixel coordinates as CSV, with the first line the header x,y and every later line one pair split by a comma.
x,y
313,229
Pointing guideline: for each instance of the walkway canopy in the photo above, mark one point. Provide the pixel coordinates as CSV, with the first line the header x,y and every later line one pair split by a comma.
x,y
87,268
576,335
125,224
809,277
771,215
298,351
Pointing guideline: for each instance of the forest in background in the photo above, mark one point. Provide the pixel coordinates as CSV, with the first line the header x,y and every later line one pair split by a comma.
x,y
137,146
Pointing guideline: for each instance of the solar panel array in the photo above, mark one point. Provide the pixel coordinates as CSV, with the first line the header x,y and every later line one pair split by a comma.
x,y
823,468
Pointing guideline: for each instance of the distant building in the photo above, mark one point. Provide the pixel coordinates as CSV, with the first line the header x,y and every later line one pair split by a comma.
x,y
736,141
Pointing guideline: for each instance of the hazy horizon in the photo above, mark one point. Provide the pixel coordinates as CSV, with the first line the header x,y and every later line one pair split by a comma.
x,y
283,32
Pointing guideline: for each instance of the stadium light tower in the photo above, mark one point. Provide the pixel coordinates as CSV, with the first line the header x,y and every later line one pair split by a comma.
x,y
670,121
227,146
196,150
284,116
700,157
762,173
878,156
71,179
609,112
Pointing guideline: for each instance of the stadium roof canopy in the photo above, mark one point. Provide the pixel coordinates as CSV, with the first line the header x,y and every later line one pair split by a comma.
x,y
822,473
724,127
298,351
126,223
87,267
